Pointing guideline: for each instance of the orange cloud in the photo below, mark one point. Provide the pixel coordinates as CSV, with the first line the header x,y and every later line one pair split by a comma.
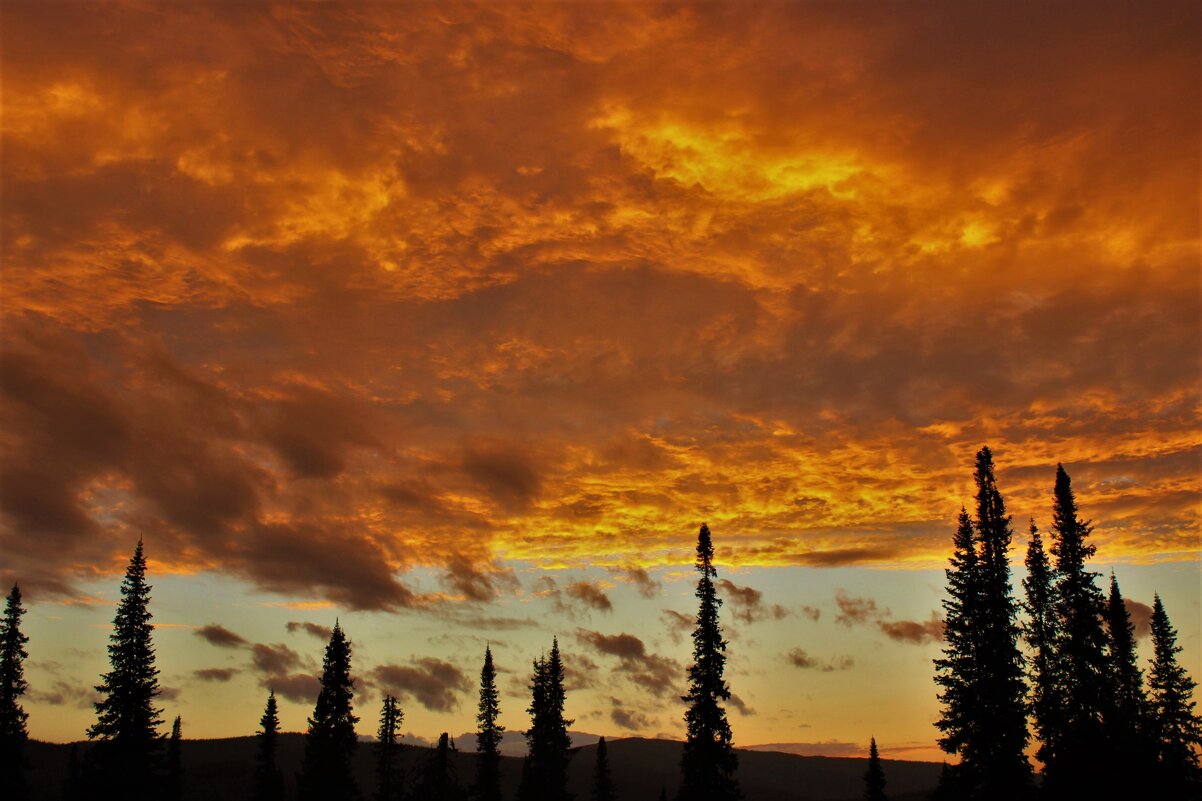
x,y
457,288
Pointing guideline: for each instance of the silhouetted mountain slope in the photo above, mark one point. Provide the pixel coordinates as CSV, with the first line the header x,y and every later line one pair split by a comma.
x,y
220,770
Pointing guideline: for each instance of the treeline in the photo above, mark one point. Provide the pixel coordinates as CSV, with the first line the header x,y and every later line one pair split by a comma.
x,y
1060,663
1066,670
131,760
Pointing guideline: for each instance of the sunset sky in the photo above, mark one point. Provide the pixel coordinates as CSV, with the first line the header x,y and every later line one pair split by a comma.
x,y
454,322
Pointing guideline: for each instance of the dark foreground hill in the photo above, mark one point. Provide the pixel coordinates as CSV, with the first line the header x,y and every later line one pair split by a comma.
x,y
221,770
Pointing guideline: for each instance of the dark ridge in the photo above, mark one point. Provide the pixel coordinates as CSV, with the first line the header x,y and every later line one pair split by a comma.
x,y
221,770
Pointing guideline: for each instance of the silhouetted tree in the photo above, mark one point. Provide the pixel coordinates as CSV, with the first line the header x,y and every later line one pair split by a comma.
x,y
330,742
1079,758
175,767
269,782
547,740
125,760
1176,727
389,784
949,787
488,734
1040,634
957,672
438,780
603,782
1127,719
13,733
708,762
874,777
983,691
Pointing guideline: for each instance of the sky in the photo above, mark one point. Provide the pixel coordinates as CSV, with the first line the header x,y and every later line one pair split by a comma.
x,y
453,322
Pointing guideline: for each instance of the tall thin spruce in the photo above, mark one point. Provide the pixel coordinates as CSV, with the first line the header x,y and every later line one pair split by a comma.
x,y
1127,720
330,741
488,734
126,759
1081,760
1040,634
13,734
956,673
708,762
997,755
981,675
389,780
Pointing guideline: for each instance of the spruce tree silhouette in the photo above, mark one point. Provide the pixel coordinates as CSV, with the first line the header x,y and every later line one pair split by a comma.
x,y
125,759
330,741
389,782
269,781
439,781
174,785
1127,722
13,717
1040,634
981,676
949,787
708,762
1176,727
874,776
603,782
545,775
488,734
1079,759
957,672
997,757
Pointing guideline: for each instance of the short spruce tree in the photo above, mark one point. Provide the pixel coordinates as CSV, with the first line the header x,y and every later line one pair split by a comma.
x,y
331,741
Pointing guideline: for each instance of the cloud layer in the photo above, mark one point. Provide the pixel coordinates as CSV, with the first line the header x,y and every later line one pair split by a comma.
x,y
317,295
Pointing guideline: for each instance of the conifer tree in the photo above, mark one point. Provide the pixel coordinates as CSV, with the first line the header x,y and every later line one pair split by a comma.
x,y
548,743
175,766
439,781
1080,758
1040,634
330,741
269,782
1176,726
874,777
389,785
13,733
983,692
708,762
1126,724
603,782
125,761
488,734
996,757
949,787
956,673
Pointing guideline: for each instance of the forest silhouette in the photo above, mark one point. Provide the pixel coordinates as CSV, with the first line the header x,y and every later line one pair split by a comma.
x,y
1055,669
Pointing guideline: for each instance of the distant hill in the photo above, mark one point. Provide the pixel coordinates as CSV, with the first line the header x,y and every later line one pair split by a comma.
x,y
221,770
